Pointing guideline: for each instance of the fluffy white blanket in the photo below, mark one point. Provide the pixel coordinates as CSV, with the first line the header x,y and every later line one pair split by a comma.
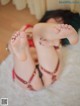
x,y
64,92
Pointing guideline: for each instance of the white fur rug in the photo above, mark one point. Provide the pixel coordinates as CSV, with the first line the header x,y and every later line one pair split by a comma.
x,y
64,92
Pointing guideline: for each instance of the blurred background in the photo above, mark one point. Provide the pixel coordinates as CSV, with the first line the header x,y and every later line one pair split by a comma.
x,y
16,13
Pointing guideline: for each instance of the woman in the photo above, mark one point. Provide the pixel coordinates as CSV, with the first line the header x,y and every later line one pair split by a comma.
x,y
47,38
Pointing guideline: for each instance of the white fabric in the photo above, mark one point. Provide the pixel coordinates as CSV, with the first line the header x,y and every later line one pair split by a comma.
x,y
4,2
38,7
64,92
20,4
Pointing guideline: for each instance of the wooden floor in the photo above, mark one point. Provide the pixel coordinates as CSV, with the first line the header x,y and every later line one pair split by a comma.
x,y
10,21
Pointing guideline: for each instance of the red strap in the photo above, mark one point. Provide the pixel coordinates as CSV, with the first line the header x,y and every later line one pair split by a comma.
x,y
21,80
56,47
30,40
27,26
51,72
13,75
31,43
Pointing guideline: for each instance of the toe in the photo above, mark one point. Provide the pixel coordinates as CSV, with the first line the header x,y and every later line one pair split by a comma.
x,y
15,35
66,26
14,39
70,27
62,25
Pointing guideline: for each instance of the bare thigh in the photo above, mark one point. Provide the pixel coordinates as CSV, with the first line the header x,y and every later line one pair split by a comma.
x,y
47,58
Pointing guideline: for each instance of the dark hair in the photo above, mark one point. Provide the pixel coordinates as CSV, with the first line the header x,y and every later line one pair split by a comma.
x,y
68,17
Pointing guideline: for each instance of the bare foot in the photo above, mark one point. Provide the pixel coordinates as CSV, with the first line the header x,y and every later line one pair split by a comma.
x,y
53,32
18,45
46,30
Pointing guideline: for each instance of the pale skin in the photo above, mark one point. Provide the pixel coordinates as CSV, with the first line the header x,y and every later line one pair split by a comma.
x,y
24,64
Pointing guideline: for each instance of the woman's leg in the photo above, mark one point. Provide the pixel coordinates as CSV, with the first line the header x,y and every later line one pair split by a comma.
x,y
48,59
48,56
23,63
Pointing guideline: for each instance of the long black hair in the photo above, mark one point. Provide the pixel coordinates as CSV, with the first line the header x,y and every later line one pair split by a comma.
x,y
68,17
